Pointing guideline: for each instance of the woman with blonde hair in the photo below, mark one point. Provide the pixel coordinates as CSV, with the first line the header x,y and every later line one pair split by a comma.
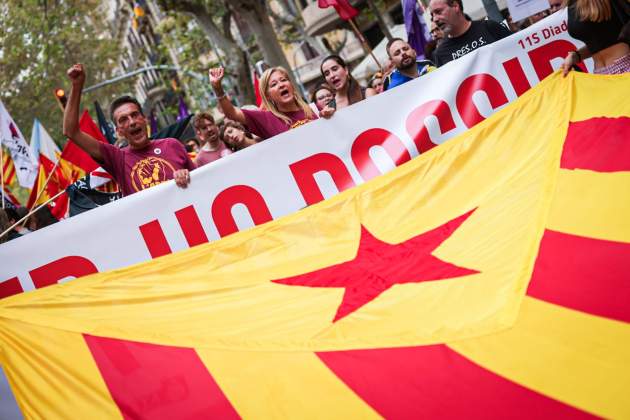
x,y
282,108
603,26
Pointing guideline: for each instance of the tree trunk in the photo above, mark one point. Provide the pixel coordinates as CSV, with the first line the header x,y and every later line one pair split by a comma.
x,y
255,14
237,64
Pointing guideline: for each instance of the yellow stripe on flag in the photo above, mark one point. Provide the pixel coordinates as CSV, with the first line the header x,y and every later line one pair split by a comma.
x,y
594,96
299,382
579,359
592,204
57,379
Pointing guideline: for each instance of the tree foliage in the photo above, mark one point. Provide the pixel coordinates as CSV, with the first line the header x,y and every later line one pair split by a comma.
x,y
39,40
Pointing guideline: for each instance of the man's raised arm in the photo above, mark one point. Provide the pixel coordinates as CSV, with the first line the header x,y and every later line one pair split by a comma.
x,y
71,129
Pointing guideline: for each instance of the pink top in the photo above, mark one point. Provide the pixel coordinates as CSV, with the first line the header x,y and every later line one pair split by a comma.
x,y
265,125
136,170
206,156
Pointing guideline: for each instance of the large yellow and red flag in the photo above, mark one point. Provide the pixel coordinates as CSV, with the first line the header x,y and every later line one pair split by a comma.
x,y
486,278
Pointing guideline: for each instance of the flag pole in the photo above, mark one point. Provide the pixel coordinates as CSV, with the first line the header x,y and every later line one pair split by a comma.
x,y
23,219
364,42
39,193
2,173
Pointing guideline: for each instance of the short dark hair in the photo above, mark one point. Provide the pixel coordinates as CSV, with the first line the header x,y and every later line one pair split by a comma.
x,y
118,102
202,116
451,3
390,42
12,214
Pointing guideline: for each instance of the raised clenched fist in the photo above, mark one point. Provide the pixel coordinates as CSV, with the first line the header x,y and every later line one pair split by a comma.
x,y
216,75
76,74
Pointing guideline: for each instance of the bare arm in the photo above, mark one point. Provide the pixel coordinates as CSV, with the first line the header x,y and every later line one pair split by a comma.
x,y
71,129
572,59
230,111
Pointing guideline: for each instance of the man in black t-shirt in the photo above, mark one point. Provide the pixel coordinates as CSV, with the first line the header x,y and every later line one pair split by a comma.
x,y
461,35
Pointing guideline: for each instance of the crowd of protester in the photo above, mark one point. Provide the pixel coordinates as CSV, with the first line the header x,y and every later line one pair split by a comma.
x,y
10,216
601,24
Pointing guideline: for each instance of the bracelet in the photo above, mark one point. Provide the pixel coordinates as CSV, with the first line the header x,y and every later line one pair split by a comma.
x,y
579,56
219,97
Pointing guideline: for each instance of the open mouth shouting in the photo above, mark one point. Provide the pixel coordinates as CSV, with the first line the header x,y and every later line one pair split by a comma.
x,y
284,93
135,132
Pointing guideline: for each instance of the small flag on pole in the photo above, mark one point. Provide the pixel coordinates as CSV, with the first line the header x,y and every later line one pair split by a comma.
x,y
343,8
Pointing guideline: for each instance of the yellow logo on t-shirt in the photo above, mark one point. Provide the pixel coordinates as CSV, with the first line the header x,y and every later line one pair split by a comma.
x,y
149,172
299,123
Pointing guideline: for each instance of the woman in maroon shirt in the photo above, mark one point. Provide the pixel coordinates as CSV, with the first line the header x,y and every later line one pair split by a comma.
x,y
282,109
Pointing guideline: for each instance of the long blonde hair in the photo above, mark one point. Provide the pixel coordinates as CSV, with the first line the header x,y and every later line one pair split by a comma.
x,y
592,10
269,105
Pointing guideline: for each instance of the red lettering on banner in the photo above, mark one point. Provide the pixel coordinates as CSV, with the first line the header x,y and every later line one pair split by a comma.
x,y
517,76
51,273
154,239
10,287
191,226
238,194
541,57
361,146
417,129
304,170
465,105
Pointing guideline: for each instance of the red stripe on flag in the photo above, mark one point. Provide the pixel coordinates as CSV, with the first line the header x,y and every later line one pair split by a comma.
x,y
436,382
589,275
599,144
150,381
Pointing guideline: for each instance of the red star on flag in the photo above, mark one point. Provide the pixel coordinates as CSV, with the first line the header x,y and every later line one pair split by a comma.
x,y
379,265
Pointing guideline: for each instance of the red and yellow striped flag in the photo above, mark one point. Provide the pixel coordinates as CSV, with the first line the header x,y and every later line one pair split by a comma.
x,y
8,168
486,278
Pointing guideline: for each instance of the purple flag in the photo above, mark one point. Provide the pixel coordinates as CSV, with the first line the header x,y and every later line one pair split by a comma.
x,y
153,123
417,32
183,110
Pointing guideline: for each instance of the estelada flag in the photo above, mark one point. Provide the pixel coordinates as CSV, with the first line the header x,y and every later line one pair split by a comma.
x,y
343,8
486,278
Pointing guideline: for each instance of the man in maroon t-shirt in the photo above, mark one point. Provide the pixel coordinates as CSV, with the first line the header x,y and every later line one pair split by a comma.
x,y
144,163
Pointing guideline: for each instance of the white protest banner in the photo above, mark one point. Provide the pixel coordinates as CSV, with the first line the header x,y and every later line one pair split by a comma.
x,y
293,170
12,138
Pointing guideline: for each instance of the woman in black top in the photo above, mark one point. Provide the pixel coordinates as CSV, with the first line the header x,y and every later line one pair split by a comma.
x,y
600,25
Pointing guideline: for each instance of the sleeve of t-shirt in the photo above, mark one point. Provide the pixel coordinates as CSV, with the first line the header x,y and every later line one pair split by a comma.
x,y
112,159
497,30
181,150
256,121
